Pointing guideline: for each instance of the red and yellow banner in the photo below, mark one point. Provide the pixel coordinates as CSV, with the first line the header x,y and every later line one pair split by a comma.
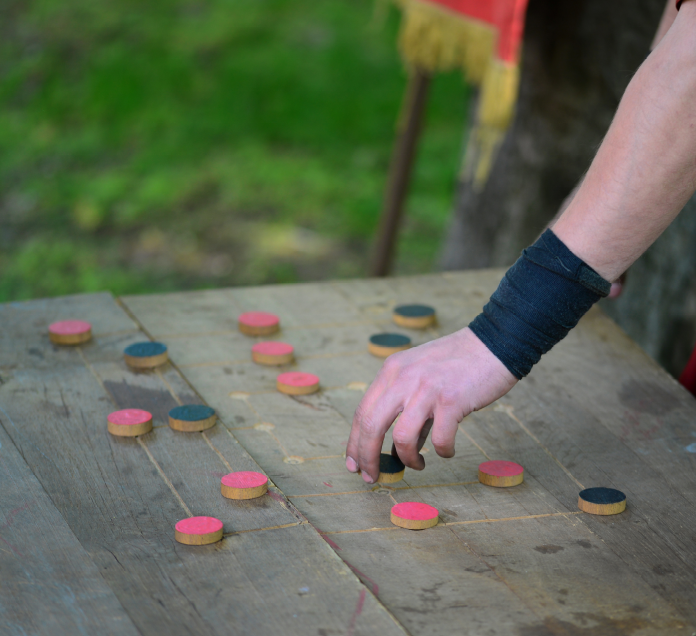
x,y
483,38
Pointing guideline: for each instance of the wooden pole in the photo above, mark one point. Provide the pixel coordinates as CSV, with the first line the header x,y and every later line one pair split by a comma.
x,y
408,131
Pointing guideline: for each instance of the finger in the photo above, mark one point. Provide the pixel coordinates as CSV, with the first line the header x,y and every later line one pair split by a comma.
x,y
445,425
407,433
373,425
425,431
372,394
422,438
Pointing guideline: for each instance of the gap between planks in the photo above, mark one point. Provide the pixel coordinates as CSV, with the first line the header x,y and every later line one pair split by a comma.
x,y
358,492
461,523
142,444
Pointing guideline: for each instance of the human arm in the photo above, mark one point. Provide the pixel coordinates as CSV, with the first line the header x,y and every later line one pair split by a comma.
x,y
641,177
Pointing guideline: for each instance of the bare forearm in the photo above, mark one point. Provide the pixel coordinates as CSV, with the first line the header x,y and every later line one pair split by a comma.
x,y
645,169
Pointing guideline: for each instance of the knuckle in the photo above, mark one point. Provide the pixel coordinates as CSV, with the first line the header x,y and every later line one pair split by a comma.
x,y
401,438
359,415
448,398
368,426
391,365
440,442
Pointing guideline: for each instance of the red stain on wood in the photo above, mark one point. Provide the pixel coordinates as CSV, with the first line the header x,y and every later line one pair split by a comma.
x,y
356,613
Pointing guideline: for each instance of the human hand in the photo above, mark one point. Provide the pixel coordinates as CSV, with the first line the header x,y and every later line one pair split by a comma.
x,y
445,380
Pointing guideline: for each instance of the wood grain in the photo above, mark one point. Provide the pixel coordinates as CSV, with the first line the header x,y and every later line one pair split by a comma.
x,y
49,583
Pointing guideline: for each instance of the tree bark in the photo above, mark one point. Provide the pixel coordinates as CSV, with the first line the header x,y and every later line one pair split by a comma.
x,y
578,58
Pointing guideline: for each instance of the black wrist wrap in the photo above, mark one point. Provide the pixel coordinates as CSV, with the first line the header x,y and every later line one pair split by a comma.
x,y
540,299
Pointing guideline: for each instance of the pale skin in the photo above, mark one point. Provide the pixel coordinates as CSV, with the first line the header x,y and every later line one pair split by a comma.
x,y
640,179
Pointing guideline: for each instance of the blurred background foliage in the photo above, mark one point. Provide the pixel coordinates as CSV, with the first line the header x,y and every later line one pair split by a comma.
x,y
151,146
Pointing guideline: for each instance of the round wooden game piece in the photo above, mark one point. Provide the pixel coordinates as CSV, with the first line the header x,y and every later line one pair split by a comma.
x,y
70,332
145,355
129,422
244,485
602,501
500,474
391,469
383,345
258,323
297,383
414,316
272,353
198,530
414,515
191,418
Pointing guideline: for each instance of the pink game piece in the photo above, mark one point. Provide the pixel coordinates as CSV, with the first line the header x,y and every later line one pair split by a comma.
x,y
415,511
500,474
297,383
272,348
129,417
298,378
129,422
500,468
258,323
69,327
70,332
198,530
198,525
244,479
244,485
414,515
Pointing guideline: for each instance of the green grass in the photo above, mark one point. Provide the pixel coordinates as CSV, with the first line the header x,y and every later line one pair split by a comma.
x,y
174,145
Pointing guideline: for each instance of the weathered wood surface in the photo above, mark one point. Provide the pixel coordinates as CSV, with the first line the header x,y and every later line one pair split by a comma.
x,y
524,560
111,505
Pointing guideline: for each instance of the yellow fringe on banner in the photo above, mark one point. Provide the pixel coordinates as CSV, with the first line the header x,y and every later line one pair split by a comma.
x,y
495,110
435,39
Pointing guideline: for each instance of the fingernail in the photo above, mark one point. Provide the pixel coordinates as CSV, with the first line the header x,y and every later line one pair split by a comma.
x,y
351,465
367,478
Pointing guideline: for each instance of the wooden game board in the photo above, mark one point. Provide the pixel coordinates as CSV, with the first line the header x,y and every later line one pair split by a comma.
x,y
87,519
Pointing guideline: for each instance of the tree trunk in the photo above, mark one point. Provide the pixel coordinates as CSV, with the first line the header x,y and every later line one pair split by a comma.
x,y
578,58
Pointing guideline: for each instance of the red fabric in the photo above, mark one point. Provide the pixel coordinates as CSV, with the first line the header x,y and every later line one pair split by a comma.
x,y
688,376
506,15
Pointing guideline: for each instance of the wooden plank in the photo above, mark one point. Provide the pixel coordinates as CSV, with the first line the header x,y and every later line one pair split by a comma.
x,y
298,305
193,462
123,513
184,312
578,443
235,347
571,581
649,547
546,575
27,344
48,583
433,583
